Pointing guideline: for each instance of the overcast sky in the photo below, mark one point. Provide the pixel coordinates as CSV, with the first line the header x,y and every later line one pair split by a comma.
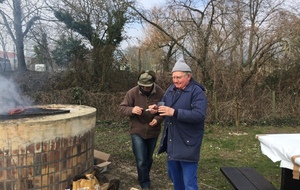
x,y
135,32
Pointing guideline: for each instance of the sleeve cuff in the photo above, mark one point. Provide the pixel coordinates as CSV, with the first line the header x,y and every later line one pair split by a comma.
x,y
175,113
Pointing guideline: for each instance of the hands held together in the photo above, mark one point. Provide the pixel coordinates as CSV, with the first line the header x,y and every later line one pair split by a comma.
x,y
138,111
162,110
154,109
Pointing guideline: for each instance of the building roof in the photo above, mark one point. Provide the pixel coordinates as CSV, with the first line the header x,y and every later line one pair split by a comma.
x,y
10,55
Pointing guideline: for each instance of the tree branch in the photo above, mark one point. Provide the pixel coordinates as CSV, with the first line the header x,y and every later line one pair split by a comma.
x,y
7,26
30,24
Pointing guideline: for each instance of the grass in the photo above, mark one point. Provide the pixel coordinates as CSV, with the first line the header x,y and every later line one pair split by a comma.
x,y
220,147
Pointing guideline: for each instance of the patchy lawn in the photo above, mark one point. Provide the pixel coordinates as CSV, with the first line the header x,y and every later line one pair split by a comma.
x,y
221,147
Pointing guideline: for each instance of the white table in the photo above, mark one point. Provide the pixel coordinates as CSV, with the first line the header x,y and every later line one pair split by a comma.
x,y
286,149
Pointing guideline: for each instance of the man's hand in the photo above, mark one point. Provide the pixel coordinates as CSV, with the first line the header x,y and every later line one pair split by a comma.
x,y
165,111
153,123
153,106
152,109
137,110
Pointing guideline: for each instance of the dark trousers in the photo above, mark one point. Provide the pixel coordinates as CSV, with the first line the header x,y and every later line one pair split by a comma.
x,y
143,151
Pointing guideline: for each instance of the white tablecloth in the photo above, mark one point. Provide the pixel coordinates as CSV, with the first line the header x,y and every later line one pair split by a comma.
x,y
282,147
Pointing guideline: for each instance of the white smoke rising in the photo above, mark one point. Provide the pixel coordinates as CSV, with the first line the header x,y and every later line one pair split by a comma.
x,y
10,97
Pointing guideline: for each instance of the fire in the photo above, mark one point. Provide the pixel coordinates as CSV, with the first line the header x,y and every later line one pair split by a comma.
x,y
16,111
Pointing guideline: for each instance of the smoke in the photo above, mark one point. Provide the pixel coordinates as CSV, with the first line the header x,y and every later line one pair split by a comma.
x,y
10,97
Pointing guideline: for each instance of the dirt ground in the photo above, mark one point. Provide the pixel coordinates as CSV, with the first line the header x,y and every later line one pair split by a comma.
x,y
128,177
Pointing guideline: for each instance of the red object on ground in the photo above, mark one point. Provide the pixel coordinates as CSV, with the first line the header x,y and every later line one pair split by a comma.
x,y
16,111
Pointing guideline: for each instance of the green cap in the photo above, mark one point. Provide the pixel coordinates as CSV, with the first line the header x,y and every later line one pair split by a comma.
x,y
145,80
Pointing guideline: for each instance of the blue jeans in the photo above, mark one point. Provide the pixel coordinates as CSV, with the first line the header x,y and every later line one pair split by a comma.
x,y
183,175
143,150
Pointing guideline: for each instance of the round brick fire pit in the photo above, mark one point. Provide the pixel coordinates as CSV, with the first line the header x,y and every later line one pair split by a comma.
x,y
46,152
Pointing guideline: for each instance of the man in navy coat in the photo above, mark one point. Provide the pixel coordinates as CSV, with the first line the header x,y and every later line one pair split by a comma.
x,y
184,112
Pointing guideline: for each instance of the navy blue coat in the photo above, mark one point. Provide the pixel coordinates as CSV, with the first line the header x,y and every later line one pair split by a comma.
x,y
183,133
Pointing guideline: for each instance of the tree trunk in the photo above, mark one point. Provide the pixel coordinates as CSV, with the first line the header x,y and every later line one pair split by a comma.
x,y
19,35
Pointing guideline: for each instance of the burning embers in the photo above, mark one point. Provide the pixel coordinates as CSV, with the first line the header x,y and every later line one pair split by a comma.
x,y
10,99
31,112
16,111
15,106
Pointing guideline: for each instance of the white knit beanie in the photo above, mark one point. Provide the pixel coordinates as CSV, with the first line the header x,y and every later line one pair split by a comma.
x,y
180,65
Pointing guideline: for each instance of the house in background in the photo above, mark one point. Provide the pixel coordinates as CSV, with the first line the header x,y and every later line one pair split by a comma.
x,y
5,65
11,61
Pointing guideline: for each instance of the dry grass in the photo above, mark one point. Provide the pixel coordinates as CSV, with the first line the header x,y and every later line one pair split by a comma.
x,y
220,148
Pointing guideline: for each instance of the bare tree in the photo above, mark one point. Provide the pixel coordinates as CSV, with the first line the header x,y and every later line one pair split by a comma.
x,y
24,15
4,66
189,26
156,39
42,52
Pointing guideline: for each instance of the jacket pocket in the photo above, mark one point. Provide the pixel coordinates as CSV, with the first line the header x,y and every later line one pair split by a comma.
x,y
189,142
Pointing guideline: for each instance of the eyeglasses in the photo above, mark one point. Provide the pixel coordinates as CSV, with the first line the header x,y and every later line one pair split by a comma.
x,y
178,77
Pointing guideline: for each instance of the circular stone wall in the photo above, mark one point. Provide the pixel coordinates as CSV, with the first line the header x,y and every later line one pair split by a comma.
x,y
46,152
